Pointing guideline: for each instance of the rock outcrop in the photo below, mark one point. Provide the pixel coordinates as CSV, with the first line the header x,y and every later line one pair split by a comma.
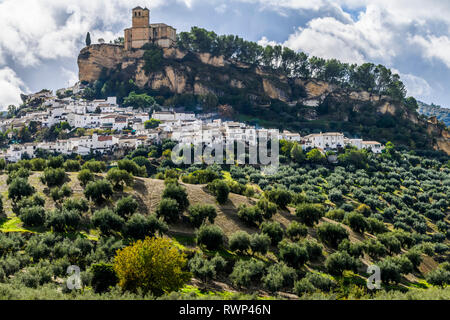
x,y
185,72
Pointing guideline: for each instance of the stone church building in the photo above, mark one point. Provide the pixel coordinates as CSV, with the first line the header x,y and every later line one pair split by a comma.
x,y
142,32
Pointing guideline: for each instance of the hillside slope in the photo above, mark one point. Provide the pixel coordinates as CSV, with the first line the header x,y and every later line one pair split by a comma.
x,y
441,113
148,193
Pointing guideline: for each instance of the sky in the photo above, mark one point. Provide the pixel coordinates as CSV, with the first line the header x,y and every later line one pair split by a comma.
x,y
40,39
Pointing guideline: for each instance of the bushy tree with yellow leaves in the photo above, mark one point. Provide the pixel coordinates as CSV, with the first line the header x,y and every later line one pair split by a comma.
x,y
153,265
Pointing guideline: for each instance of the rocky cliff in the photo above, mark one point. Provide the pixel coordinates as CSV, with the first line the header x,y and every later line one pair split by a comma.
x,y
184,72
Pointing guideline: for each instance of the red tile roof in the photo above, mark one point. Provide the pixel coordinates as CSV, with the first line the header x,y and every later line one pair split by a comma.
x,y
105,138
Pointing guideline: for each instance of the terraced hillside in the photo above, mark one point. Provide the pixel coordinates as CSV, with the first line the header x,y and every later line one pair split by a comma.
x,y
324,226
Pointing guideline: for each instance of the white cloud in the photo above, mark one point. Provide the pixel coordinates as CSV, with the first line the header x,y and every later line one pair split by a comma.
x,y
70,75
221,8
434,47
370,37
405,11
46,29
35,31
266,42
416,86
290,4
380,32
11,87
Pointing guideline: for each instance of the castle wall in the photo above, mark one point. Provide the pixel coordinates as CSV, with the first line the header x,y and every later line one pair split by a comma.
x,y
127,40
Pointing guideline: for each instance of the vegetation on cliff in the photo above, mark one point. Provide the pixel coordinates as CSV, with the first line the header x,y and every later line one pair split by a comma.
x,y
269,86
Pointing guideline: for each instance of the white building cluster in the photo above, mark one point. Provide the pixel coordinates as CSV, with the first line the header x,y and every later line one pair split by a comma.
x,y
186,128
335,140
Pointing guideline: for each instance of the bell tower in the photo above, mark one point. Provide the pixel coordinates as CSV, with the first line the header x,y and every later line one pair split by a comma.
x,y
141,17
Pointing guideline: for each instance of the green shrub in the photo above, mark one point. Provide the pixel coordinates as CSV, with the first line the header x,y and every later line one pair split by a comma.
x,y
332,234
280,197
390,271
356,221
33,216
210,236
247,272
94,166
98,191
63,220
60,193
415,256
375,249
20,173
376,226
293,254
103,277
80,205
199,213
251,216
55,162
321,282
72,166
240,242
53,177
259,243
279,276
126,207
119,178
139,227
85,176
309,214
296,231
335,196
438,277
107,221
268,208
20,188
303,286
201,267
315,249
273,230
220,189
206,269
169,210
338,262
356,250
404,263
179,194
390,241
336,215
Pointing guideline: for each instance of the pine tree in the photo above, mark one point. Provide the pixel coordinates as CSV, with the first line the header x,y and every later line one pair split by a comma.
x,y
88,39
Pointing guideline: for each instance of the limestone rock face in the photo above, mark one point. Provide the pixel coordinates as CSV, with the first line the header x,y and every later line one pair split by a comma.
x,y
201,89
315,88
274,92
185,72
207,58
444,142
174,53
387,108
94,58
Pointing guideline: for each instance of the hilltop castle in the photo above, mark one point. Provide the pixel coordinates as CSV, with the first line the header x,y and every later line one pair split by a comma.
x,y
142,32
